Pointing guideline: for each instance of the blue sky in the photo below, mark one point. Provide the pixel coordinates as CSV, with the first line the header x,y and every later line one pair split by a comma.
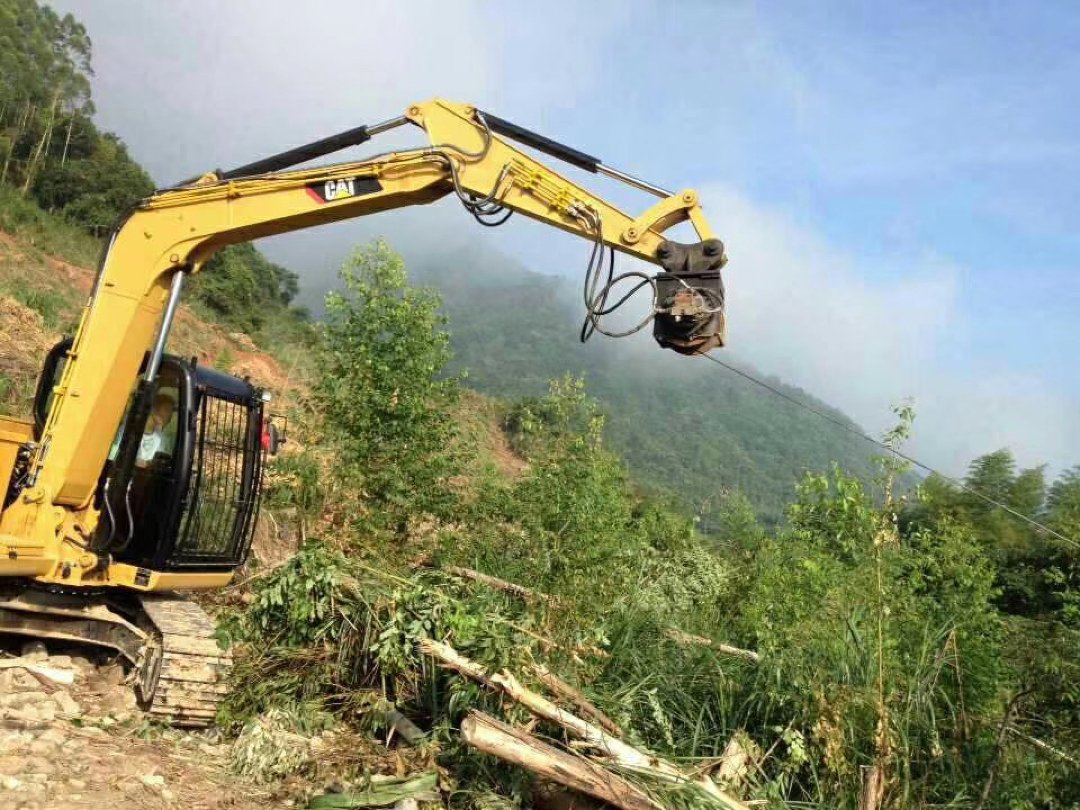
x,y
894,130
895,181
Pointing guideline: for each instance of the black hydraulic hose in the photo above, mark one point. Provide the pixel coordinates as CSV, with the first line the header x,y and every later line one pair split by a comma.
x,y
123,470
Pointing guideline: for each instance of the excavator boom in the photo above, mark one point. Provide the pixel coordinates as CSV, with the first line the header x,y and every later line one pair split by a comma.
x,y
176,230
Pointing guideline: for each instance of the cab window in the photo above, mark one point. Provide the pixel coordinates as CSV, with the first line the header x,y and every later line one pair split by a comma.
x,y
157,443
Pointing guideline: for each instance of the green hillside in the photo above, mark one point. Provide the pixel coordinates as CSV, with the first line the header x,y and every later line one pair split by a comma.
x,y
683,425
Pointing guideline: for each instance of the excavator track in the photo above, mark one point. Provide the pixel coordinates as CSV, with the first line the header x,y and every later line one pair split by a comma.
x,y
183,676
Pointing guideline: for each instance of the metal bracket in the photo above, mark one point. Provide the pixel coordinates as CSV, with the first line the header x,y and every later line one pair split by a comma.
x,y
667,212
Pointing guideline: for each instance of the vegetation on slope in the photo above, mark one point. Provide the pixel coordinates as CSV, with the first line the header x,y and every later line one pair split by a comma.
x,y
683,426
42,297
55,161
889,641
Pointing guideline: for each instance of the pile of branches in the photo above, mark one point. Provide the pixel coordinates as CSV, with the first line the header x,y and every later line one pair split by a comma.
x,y
440,660
594,760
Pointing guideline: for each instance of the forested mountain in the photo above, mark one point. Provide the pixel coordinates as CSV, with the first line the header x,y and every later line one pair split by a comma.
x,y
684,425
53,157
50,149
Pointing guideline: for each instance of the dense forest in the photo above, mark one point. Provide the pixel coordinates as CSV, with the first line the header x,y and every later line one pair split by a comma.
x,y
53,157
49,146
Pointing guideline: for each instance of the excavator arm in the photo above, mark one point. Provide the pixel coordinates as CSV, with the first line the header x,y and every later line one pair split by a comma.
x,y
172,234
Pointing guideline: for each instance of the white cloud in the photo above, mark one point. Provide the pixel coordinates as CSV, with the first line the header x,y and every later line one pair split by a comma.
x,y
804,309
200,85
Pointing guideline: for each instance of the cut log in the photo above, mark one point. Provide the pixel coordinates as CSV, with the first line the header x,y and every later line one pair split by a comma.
x,y
736,762
452,659
1044,746
512,588
608,746
491,736
409,731
701,641
873,787
564,690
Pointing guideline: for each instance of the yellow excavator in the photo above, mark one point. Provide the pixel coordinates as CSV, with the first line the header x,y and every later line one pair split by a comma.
x,y
138,476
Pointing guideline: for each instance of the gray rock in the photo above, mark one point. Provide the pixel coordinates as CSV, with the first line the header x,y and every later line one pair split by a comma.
x,y
35,650
27,713
67,705
111,675
20,699
42,748
14,741
52,736
10,783
38,764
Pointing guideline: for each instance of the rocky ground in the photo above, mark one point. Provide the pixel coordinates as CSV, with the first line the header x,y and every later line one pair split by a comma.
x,y
87,745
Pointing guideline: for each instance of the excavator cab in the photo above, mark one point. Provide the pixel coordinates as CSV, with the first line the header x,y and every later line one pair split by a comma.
x,y
193,492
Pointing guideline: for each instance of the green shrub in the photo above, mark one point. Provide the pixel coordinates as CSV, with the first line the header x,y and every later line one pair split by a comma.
x,y
50,234
54,307
292,480
380,385
243,289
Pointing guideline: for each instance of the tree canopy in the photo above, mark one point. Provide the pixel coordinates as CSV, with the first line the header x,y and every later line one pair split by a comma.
x,y
50,147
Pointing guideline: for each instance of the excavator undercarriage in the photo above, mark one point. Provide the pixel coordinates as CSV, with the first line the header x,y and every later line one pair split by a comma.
x,y
177,668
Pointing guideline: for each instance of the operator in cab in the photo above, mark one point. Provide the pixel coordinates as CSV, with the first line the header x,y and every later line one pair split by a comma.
x,y
153,439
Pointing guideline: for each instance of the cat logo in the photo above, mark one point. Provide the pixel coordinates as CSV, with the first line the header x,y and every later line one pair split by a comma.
x,y
343,188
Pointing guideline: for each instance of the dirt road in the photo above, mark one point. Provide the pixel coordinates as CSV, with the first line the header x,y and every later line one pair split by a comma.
x,y
87,745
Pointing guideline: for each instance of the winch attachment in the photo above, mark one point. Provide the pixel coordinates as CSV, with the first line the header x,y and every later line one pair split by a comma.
x,y
690,296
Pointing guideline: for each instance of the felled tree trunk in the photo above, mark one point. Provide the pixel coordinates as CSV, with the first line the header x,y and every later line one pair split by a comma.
x,y
873,787
491,736
701,641
564,690
736,762
608,746
512,588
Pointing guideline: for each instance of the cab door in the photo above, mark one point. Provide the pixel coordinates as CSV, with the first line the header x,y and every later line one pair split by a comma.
x,y
145,527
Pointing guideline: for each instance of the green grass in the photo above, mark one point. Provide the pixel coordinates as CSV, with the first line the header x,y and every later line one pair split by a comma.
x,y
51,234
55,308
